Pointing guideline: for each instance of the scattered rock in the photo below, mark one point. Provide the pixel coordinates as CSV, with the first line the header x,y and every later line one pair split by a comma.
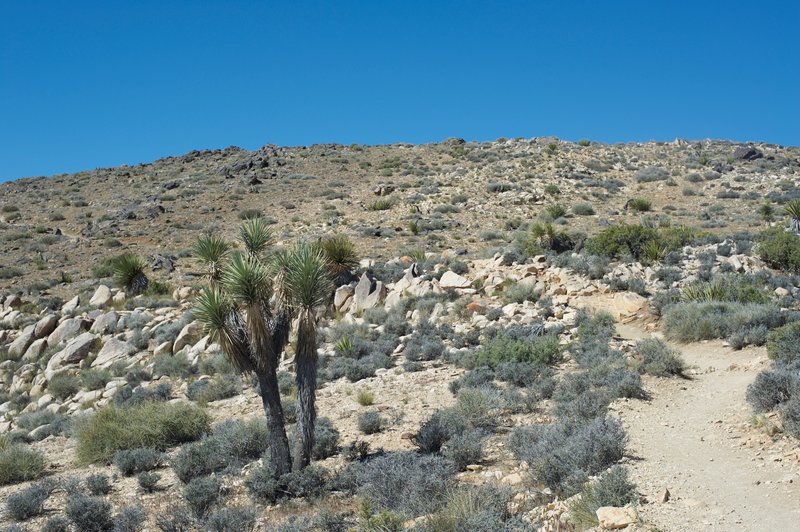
x,y
101,296
613,518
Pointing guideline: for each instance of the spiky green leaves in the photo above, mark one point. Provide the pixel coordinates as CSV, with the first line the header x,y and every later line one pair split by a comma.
x,y
340,254
211,308
306,277
212,251
255,236
128,270
793,208
247,280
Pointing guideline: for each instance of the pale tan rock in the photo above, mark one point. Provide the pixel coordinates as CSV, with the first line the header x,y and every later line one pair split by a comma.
x,y
451,279
613,518
101,297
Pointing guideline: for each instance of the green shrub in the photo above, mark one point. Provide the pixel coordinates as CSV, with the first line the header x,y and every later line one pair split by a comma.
x,y
370,422
612,489
250,214
658,359
621,240
98,484
726,287
133,461
148,481
552,190
63,385
381,205
326,439
89,514
691,322
201,494
783,343
465,449
231,519
499,187
639,204
176,365
94,379
23,505
220,387
128,270
780,249
19,463
149,424
130,519
555,211
505,348
583,209
519,293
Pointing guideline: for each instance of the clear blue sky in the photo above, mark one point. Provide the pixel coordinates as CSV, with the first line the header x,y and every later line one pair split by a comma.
x,y
94,84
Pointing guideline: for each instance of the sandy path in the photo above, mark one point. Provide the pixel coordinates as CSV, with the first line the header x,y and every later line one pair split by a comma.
x,y
684,440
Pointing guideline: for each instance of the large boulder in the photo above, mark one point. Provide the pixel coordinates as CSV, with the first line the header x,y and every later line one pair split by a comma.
x,y
102,296
105,323
66,330
76,350
451,279
747,153
35,350
45,326
71,306
112,351
21,344
188,336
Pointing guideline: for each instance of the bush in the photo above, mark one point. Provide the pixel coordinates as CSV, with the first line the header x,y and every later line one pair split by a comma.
x,y
262,485
29,502
780,249
370,422
98,484
405,482
209,390
439,428
365,398
176,519
520,293
130,519
563,454
63,385
150,424
201,494
650,173
737,288
639,204
505,347
773,387
133,461
583,209
464,449
232,519
19,463
57,523
148,481
88,514
479,508
232,444
658,359
422,346
94,379
790,413
622,240
326,439
176,365
612,489
128,270
783,343
691,322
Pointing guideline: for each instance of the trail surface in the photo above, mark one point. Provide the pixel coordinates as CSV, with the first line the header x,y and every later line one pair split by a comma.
x,y
688,439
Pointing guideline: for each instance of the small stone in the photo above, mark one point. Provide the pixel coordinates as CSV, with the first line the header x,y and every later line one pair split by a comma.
x,y
613,518
664,496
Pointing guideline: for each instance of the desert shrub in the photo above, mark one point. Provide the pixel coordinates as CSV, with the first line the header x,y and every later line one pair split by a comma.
x,y
262,485
133,461
520,373
57,523
250,214
694,321
783,343
231,519
639,204
176,519
232,444
423,346
365,397
150,424
464,448
209,390
756,335
650,173
326,439
406,482
592,266
127,396
440,427
370,422
479,508
505,347
621,240
499,187
148,481
563,455
22,505
658,359
773,387
612,489
726,287
520,293
583,209
544,236
790,414
94,379
176,365
130,519
88,514
476,406
201,494
18,462
63,385
98,484
779,249
481,376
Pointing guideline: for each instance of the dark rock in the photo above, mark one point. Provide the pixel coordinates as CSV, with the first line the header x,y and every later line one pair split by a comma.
x,y
171,185
747,153
162,262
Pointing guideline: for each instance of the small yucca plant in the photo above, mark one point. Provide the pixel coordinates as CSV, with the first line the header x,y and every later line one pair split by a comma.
x,y
654,251
128,270
793,210
555,211
256,236
212,251
340,254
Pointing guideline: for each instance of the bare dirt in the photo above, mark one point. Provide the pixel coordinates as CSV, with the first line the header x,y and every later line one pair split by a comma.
x,y
694,439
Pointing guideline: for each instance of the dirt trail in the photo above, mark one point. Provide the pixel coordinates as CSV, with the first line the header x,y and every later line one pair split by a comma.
x,y
686,440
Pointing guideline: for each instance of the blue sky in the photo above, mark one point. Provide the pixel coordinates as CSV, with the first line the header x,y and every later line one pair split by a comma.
x,y
94,84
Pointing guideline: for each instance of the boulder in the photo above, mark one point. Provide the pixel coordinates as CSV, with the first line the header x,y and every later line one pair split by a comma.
x,y
747,153
105,323
343,293
21,344
66,330
76,350
45,326
12,301
451,279
35,350
188,336
112,351
71,306
613,518
102,296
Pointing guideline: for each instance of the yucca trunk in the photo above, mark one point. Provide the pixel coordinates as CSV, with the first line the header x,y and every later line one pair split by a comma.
x,y
139,284
794,225
278,442
306,371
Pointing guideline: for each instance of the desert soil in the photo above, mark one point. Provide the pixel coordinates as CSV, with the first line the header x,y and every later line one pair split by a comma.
x,y
694,439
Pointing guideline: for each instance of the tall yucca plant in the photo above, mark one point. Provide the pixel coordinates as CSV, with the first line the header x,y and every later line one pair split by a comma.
x,y
341,256
793,210
308,283
256,236
128,270
236,312
212,252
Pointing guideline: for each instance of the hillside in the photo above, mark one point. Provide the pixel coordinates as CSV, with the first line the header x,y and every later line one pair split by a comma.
x,y
530,334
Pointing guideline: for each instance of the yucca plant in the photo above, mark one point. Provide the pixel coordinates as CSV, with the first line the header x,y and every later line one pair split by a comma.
x,y
128,271
341,256
555,211
255,236
654,251
793,210
308,283
212,252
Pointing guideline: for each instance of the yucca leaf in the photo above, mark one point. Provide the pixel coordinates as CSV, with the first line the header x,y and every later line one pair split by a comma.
x,y
255,235
247,280
306,276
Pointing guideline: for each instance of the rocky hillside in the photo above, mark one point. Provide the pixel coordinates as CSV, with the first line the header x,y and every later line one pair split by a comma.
x,y
516,306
